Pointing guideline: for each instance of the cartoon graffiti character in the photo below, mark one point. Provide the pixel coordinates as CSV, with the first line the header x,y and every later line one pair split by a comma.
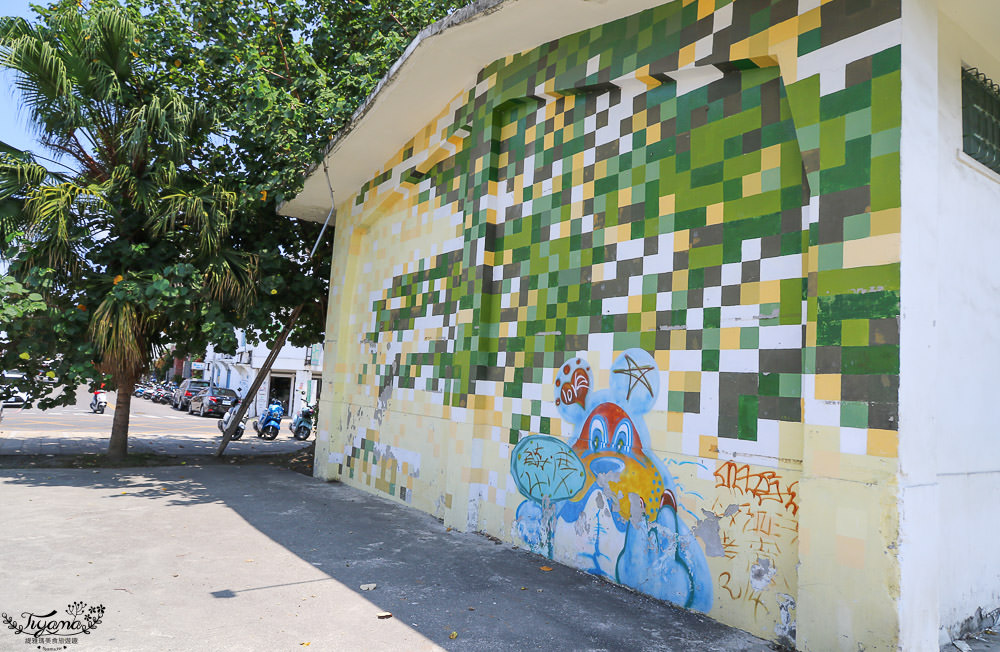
x,y
603,502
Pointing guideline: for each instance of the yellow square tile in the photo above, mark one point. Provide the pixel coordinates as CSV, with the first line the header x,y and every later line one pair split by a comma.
x,y
828,387
751,184
875,250
770,292
678,340
885,222
770,157
667,203
686,56
679,280
809,21
740,50
662,358
675,421
692,381
625,197
653,134
639,119
682,242
730,338
714,213
635,303
678,381
648,321
783,31
883,443
850,552
750,294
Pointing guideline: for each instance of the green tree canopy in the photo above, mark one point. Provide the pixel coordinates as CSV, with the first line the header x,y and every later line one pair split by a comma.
x,y
127,246
172,129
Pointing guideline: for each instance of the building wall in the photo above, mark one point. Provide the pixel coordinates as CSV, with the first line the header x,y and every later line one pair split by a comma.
x,y
645,321
230,372
963,335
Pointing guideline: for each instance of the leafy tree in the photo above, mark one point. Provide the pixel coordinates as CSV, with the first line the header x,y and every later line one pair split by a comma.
x,y
128,245
284,77
135,243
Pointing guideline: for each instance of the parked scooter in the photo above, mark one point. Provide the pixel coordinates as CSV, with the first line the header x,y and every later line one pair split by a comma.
x,y
227,418
99,402
303,424
268,424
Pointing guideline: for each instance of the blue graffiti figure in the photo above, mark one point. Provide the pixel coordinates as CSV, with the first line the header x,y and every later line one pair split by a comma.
x,y
602,498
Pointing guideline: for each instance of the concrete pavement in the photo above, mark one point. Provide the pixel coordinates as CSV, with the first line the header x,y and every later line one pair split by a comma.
x,y
257,558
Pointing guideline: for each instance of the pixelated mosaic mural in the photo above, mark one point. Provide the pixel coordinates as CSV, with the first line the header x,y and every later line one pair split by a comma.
x,y
712,184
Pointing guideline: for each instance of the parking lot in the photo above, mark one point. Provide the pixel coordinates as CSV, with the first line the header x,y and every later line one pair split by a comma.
x,y
153,428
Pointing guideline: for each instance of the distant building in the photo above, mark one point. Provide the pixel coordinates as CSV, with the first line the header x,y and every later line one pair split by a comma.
x,y
294,377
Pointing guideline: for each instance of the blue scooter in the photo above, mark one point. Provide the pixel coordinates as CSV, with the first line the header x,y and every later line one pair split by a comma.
x,y
268,424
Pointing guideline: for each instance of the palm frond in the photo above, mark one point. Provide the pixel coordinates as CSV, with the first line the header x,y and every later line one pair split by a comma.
x,y
116,329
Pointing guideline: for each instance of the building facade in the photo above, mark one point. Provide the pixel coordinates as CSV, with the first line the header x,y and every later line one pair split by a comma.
x,y
690,298
294,378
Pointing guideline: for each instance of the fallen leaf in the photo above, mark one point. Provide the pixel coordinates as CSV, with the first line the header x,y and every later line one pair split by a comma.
x,y
382,615
306,643
546,568
367,587
962,645
524,588
472,608
453,635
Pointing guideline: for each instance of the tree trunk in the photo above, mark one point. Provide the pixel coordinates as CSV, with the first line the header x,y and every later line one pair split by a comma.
x,y
118,447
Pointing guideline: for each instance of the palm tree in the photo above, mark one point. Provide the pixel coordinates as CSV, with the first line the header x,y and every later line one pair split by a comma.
x,y
126,231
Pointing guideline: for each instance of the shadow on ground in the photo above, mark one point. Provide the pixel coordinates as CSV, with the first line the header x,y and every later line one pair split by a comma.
x,y
492,595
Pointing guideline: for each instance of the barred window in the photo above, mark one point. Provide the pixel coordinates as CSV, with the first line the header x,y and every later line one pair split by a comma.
x,y
981,118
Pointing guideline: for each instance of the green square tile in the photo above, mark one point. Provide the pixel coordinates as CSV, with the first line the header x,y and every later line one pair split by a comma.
x,y
790,385
854,414
857,227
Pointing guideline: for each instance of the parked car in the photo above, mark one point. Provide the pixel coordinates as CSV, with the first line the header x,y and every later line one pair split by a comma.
x,y
187,389
12,397
212,401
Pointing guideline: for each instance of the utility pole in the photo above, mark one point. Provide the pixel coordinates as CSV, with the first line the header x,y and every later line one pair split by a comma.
x,y
259,380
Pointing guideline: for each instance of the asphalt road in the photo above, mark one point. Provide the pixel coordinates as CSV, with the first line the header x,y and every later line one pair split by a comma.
x,y
146,417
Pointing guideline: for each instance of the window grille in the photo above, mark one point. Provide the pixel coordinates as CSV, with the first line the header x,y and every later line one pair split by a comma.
x,y
981,118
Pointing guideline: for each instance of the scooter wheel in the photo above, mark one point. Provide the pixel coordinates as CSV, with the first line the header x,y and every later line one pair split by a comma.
x,y
237,435
269,432
302,433
100,410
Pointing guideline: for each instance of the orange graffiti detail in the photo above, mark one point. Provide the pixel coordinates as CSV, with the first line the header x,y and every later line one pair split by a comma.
x,y
763,485
576,388
725,584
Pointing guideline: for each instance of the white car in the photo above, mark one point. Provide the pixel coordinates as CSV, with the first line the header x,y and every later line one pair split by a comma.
x,y
17,398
